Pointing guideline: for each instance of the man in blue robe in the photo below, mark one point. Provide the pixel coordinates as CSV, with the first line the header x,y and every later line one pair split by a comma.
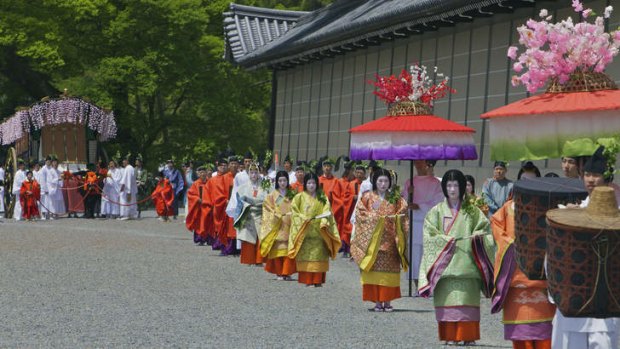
x,y
176,180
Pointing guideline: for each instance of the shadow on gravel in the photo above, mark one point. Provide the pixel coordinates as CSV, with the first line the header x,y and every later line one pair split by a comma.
x,y
372,310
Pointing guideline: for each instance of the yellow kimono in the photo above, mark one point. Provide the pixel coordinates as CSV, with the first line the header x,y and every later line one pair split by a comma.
x,y
313,237
379,246
274,234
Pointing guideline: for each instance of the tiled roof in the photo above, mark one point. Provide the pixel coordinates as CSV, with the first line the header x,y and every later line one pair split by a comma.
x,y
347,25
248,28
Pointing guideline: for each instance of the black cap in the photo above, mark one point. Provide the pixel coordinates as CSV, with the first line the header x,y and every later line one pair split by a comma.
x,y
597,163
248,155
499,164
222,161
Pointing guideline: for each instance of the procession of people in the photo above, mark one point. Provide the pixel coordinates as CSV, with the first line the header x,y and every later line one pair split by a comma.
x,y
460,238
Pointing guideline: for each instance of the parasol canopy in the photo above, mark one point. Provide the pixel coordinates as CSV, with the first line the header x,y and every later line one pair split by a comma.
x,y
552,125
412,137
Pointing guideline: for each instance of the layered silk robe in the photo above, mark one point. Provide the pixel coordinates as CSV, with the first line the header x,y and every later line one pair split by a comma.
x,y
456,264
312,240
527,310
274,232
380,242
249,212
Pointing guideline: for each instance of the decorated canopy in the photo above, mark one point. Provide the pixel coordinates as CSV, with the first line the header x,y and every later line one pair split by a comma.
x,y
581,106
553,124
412,137
56,112
410,131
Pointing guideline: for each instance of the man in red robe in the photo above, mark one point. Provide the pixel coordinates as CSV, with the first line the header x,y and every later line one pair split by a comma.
x,y
73,199
91,192
163,198
335,192
196,195
29,196
300,173
353,189
219,188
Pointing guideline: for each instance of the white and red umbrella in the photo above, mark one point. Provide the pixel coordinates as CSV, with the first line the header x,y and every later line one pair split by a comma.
x,y
412,137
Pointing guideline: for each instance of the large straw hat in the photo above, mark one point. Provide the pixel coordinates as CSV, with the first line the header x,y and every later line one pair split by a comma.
x,y
602,212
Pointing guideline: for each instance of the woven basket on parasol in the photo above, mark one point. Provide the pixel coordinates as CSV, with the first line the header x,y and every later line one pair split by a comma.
x,y
583,257
583,82
409,108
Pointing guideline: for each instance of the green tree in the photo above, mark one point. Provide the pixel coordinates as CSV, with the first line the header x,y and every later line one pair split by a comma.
x,y
157,63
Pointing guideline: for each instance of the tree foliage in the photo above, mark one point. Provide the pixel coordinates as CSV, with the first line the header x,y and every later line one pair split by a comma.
x,y
157,63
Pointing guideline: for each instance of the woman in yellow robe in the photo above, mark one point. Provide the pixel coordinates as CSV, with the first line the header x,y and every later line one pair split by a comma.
x,y
314,236
275,228
379,243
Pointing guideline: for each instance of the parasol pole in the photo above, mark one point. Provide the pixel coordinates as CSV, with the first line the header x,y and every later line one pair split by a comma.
x,y
410,200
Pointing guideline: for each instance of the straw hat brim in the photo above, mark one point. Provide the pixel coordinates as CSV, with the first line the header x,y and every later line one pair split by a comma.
x,y
579,218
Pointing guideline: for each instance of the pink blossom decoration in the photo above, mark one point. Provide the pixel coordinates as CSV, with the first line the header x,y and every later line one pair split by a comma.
x,y
556,50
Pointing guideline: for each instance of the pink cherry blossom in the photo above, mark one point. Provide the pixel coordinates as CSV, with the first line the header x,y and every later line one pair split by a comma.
x,y
556,50
512,52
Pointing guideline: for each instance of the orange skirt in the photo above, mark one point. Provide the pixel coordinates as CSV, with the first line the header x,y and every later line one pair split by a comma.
x,y
467,331
378,293
281,266
309,278
250,253
533,344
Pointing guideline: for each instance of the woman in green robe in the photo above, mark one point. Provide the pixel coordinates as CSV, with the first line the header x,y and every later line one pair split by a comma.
x,y
314,237
456,266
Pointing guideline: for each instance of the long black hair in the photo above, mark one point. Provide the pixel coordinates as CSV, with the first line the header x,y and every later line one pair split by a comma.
x,y
454,175
282,174
470,179
378,173
309,176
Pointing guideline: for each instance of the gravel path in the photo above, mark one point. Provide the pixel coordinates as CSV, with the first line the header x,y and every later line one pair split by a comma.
x,y
106,283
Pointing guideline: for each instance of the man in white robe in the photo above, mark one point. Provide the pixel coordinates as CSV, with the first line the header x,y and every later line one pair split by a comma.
x,y
44,202
54,188
18,179
128,192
